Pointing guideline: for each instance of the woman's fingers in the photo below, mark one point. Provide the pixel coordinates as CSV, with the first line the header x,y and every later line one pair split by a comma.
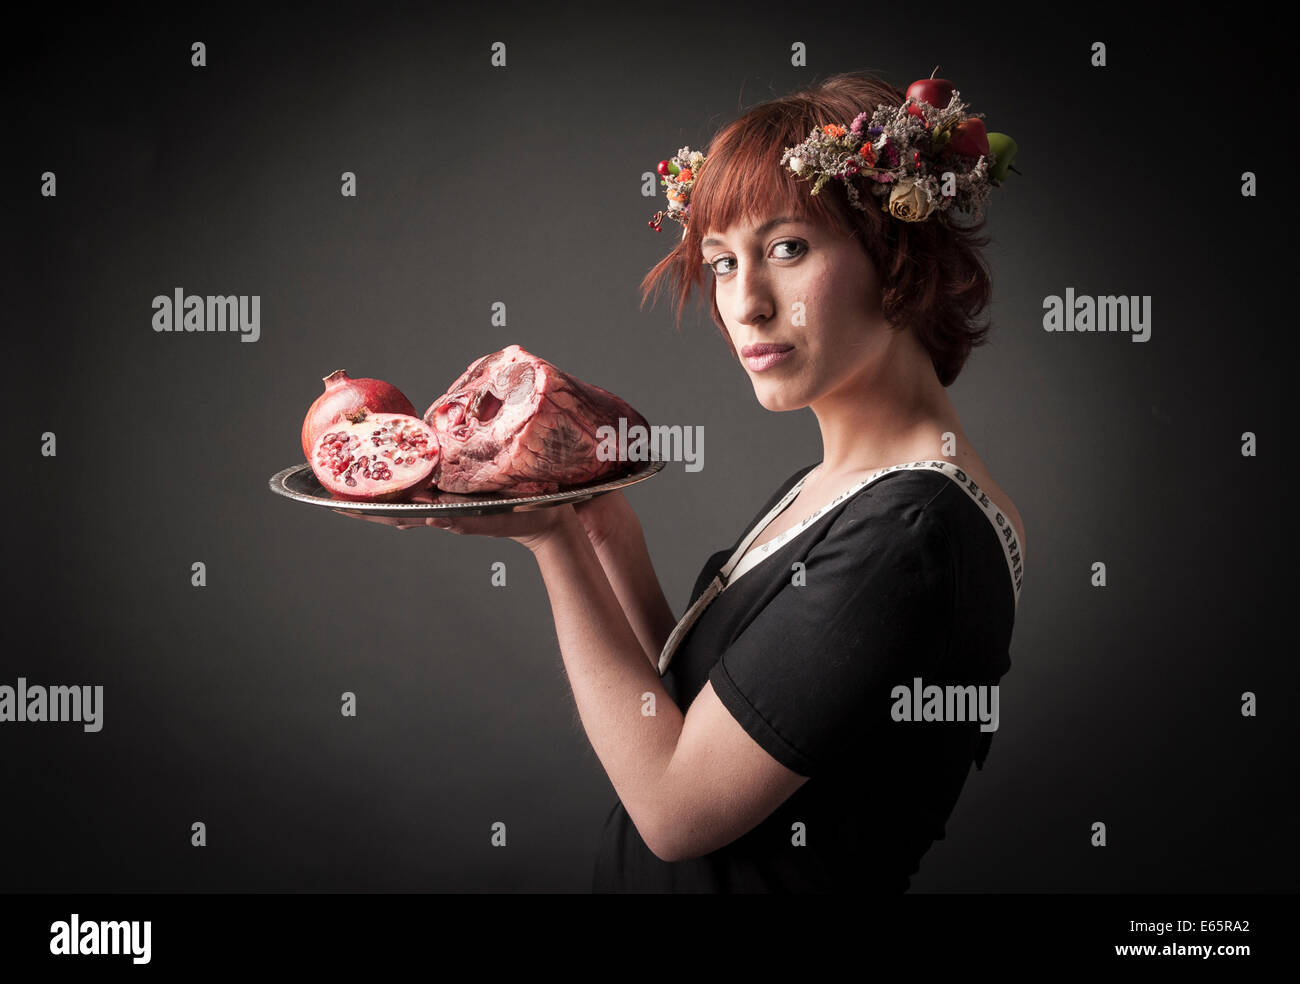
x,y
527,522
397,522
382,520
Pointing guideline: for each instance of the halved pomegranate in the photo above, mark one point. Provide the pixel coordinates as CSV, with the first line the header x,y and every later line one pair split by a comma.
x,y
343,397
376,457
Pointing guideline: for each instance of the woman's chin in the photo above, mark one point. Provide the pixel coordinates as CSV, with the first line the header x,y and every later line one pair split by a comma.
x,y
776,402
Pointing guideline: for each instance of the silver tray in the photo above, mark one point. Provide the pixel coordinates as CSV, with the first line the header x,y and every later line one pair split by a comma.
x,y
299,483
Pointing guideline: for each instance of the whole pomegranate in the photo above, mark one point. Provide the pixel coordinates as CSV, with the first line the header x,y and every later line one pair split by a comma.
x,y
375,457
343,397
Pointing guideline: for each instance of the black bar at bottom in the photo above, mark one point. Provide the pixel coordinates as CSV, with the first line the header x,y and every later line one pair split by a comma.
x,y
337,932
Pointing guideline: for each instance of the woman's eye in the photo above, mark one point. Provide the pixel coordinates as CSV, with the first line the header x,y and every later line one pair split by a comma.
x,y
794,247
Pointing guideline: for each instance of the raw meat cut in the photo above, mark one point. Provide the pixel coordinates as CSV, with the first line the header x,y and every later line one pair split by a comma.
x,y
515,422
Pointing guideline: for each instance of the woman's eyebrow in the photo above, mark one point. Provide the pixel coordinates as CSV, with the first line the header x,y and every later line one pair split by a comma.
x,y
770,224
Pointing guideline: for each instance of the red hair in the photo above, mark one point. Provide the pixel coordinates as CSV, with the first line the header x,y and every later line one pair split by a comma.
x,y
933,277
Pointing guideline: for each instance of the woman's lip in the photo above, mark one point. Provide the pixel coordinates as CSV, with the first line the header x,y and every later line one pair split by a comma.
x,y
757,363
762,348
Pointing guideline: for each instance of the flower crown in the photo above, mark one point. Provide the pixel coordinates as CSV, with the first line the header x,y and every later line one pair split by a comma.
x,y
921,159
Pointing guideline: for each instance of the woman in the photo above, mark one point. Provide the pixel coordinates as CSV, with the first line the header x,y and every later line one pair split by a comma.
x,y
768,756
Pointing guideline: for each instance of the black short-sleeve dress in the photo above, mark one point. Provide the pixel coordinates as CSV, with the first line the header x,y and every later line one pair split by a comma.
x,y
910,578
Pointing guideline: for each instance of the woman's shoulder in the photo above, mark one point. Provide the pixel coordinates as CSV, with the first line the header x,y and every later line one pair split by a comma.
x,y
951,514
955,497
898,513
907,496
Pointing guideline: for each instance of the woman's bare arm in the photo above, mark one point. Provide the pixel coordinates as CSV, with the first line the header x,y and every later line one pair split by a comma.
x,y
690,782
615,533
607,670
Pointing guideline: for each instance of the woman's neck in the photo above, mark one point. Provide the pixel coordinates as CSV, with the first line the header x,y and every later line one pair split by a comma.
x,y
899,414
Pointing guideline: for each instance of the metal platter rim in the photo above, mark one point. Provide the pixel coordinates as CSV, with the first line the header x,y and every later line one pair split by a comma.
x,y
278,485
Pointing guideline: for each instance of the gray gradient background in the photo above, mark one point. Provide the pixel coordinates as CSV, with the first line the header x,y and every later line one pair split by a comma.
x,y
523,185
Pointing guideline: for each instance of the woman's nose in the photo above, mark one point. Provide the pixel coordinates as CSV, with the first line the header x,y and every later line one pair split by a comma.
x,y
754,301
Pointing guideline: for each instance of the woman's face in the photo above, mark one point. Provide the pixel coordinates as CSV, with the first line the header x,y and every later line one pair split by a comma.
x,y
808,289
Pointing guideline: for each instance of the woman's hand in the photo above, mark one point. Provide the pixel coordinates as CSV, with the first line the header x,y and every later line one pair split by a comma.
x,y
530,525
605,516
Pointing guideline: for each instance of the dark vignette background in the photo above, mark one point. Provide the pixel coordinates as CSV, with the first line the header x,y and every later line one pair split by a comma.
x,y
523,185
